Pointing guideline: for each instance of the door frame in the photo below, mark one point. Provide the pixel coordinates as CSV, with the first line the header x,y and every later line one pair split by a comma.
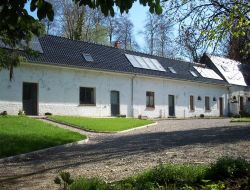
x,y
221,106
37,96
170,95
118,92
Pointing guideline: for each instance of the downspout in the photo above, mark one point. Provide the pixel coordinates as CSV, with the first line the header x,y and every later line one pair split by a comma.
x,y
228,102
132,95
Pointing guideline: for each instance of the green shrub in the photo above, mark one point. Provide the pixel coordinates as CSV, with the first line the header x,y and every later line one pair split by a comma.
x,y
167,177
89,184
244,114
228,168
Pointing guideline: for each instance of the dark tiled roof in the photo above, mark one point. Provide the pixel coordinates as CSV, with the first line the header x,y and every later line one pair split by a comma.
x,y
65,52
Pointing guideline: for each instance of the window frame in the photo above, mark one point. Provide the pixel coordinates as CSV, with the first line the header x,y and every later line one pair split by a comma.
x,y
207,106
82,103
191,106
150,94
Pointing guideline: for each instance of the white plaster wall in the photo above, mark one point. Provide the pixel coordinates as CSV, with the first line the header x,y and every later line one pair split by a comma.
x,y
238,91
59,90
182,91
59,93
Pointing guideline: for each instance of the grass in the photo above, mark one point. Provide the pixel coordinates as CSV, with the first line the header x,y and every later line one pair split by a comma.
x,y
243,119
226,173
102,124
21,134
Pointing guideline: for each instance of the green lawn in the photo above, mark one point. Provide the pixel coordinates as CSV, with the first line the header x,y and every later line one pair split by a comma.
x,y
20,134
243,119
102,124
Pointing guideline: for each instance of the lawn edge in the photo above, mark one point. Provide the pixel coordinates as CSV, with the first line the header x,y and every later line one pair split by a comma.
x,y
140,127
92,131
23,155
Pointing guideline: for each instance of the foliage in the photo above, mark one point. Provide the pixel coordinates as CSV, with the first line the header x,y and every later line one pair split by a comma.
x,y
89,184
107,7
64,179
167,176
102,124
21,134
228,168
177,177
212,21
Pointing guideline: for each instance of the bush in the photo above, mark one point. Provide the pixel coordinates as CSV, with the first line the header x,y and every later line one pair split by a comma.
x,y
89,184
47,113
228,168
202,115
4,113
167,176
244,114
21,112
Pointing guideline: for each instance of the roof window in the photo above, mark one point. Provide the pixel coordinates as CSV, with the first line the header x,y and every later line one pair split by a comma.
x,y
172,70
88,57
193,73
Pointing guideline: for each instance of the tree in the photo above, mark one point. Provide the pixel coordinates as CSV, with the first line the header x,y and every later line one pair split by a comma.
x,y
150,29
191,43
213,18
124,32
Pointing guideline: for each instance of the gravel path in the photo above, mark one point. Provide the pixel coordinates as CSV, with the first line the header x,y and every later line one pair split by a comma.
x,y
114,156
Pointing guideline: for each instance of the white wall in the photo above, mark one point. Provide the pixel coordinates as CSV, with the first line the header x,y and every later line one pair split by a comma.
x,y
182,92
239,91
59,92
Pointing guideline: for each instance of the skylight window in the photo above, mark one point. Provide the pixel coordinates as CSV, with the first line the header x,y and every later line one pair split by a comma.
x,y
144,62
88,57
193,73
172,70
207,73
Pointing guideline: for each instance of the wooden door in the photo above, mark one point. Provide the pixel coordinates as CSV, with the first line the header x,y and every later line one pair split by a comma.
x,y
115,103
30,98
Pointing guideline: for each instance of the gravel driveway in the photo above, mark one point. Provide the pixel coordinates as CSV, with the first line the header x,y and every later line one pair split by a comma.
x,y
114,156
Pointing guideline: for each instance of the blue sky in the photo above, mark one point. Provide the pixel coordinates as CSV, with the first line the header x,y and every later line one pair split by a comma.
x,y
138,17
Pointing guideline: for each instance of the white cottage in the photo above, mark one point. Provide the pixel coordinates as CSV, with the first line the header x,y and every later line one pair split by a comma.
x,y
71,77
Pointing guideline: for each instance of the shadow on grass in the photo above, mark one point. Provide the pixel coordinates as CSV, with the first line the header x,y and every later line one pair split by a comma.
x,y
127,145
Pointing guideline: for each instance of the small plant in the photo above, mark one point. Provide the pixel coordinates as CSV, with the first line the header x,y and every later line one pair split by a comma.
x,y
64,180
228,168
21,112
202,115
4,113
89,184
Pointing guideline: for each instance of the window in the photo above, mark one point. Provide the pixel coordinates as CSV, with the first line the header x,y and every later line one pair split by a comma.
x,y
193,73
88,57
191,102
172,70
207,103
87,96
150,99
144,62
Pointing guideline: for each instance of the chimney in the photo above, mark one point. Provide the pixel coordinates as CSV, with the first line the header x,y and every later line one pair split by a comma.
x,y
117,44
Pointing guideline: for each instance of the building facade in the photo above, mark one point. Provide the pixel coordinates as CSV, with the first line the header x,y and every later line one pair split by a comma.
x,y
83,79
